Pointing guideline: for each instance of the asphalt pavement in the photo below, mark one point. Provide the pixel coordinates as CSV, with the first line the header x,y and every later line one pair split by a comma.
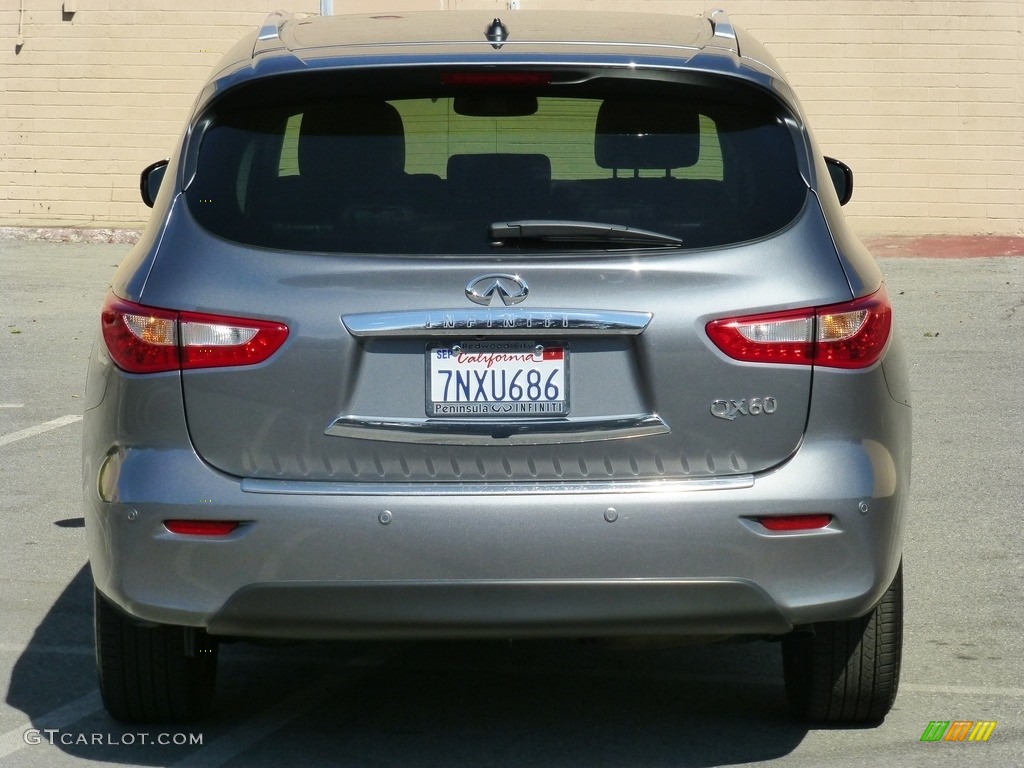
x,y
565,704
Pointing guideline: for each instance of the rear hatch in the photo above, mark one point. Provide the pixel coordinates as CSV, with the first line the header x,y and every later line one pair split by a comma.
x,y
496,276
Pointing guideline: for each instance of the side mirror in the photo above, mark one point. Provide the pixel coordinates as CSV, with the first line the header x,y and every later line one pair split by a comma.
x,y
842,179
149,181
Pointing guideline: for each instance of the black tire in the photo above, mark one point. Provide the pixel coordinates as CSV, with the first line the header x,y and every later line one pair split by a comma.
x,y
152,674
849,671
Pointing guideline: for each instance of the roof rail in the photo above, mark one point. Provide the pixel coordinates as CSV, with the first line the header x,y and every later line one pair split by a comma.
x,y
723,31
269,36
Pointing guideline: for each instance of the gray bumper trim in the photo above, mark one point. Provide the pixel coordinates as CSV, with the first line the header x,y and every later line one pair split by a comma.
x,y
511,488
461,609
493,432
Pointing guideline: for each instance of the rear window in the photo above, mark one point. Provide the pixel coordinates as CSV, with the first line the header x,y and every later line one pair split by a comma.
x,y
427,165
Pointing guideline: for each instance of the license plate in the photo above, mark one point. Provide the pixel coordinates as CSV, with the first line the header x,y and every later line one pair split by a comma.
x,y
497,379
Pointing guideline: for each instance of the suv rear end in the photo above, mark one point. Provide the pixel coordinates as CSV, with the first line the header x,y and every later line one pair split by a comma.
x,y
448,327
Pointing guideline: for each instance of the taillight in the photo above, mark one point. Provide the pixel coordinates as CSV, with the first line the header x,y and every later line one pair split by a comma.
x,y
853,334
148,340
211,341
140,339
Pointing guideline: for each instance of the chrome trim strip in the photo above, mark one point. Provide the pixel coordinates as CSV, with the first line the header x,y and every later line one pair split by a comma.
x,y
498,432
504,321
319,488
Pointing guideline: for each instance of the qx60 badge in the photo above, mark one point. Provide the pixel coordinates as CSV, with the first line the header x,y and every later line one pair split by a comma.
x,y
511,289
755,406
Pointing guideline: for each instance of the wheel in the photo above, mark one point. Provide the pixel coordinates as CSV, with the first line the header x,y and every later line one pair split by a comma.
x,y
848,671
152,674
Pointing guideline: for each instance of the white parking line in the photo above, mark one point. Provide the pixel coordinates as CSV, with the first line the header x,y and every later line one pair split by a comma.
x,y
57,650
257,728
963,690
14,739
227,746
38,429
12,405
254,730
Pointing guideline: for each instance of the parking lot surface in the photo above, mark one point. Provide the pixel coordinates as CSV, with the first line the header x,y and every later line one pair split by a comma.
x,y
544,703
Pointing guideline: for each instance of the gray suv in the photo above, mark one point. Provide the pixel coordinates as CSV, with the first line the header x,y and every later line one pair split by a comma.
x,y
446,326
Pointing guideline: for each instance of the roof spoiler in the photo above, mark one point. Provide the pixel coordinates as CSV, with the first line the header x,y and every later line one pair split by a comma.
x,y
723,31
269,36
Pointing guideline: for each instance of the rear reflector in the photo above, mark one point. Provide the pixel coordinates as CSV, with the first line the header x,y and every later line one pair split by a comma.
x,y
201,527
149,340
795,522
853,334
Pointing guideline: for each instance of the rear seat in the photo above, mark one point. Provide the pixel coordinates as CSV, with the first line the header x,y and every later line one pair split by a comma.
x,y
352,191
636,139
678,205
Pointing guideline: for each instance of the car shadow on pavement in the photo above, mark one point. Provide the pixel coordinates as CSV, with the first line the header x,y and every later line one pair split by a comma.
x,y
560,703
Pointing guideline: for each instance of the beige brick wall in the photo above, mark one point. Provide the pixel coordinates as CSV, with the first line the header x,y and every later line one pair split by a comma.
x,y
925,99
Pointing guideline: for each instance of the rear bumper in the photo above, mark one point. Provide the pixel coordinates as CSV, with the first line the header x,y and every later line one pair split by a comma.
x,y
597,607
344,561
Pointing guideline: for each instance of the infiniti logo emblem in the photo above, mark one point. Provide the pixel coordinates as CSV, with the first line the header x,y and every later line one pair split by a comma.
x,y
511,289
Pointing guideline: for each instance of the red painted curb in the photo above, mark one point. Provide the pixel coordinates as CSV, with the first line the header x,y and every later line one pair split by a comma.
x,y
882,246
946,246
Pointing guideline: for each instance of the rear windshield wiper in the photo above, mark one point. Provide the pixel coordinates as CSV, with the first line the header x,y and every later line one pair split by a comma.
x,y
576,233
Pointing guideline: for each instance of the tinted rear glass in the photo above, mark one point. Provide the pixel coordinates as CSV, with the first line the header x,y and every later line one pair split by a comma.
x,y
425,164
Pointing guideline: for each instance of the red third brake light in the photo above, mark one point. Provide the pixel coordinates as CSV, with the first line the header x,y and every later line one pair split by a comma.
x,y
144,339
852,334
496,79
